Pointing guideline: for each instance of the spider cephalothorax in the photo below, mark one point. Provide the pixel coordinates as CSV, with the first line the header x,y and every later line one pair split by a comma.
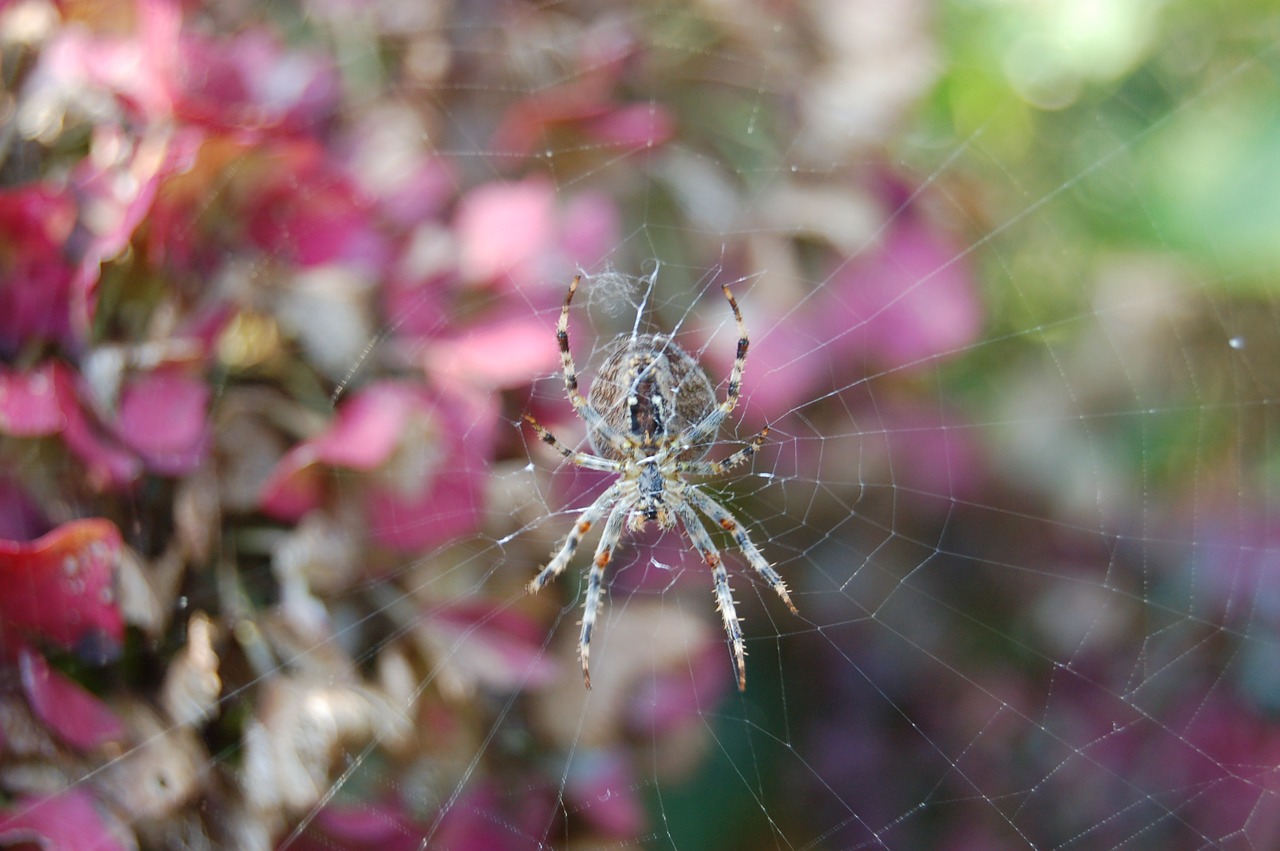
x,y
651,416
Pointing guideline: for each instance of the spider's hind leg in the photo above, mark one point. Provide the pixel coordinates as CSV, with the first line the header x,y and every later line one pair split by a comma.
x,y
722,518
595,582
724,594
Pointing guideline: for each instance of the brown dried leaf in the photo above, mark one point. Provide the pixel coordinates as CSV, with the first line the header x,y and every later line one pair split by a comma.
x,y
192,685
160,773
289,748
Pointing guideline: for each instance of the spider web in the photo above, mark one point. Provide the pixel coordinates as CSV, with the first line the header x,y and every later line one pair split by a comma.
x,y
1007,275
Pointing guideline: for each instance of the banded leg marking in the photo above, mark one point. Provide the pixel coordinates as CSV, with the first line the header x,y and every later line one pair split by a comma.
x,y
718,468
581,459
724,594
581,527
595,582
722,518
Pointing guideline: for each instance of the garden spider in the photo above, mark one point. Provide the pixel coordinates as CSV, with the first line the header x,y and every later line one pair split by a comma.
x,y
651,416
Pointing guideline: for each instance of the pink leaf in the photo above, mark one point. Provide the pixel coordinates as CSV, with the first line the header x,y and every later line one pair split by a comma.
x,y
369,426
295,485
502,227
29,403
73,714
910,302
163,417
527,348
441,444
67,821
635,126
37,223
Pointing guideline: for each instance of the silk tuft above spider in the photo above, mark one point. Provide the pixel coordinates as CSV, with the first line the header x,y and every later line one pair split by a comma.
x,y
651,417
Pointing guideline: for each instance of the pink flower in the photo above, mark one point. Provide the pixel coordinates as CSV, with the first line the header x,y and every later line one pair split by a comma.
x,y
339,827
32,403
248,83
507,816
927,451
1229,754
305,209
139,70
425,455
480,819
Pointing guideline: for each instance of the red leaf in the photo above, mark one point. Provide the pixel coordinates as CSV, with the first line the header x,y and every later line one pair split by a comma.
x,y
59,588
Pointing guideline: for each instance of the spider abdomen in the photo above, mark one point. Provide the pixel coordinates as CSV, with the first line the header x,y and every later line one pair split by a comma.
x,y
649,389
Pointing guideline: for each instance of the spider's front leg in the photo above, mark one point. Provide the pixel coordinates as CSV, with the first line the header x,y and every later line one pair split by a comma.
x,y
581,527
710,424
594,420
724,594
581,459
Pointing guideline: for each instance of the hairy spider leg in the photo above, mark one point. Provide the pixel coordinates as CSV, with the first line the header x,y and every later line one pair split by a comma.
x,y
724,595
717,468
594,419
581,527
726,521
582,459
707,427
595,581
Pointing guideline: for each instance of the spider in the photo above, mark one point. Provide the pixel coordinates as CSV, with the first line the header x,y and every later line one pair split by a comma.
x,y
651,416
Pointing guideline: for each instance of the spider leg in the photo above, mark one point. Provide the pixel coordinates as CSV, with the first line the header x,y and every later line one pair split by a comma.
x,y
721,516
724,595
710,424
595,582
582,459
593,418
718,468
581,526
